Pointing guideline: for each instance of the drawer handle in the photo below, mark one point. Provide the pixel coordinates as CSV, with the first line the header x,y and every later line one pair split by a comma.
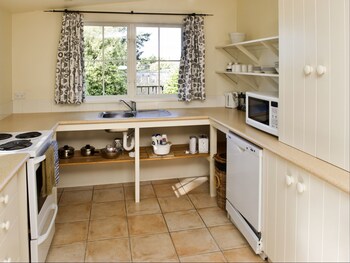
x,y
289,180
5,225
301,188
4,199
7,260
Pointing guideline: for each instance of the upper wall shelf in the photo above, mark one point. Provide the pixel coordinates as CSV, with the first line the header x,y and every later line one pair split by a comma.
x,y
270,43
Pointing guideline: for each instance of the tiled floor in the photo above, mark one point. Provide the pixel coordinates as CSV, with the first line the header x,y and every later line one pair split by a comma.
x,y
104,224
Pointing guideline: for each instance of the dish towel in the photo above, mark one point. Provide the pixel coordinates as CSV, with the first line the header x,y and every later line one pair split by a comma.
x,y
56,161
50,170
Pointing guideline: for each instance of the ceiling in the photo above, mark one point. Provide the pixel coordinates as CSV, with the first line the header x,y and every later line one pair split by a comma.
x,y
17,6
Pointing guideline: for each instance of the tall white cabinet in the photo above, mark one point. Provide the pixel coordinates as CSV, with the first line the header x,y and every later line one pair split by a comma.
x,y
305,218
314,78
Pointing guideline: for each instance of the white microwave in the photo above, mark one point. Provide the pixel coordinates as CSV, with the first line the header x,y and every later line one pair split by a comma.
x,y
262,111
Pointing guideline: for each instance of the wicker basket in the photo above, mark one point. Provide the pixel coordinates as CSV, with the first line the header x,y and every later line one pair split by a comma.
x,y
220,179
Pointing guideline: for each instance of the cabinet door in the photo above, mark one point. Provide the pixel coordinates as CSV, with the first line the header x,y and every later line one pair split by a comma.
x,y
305,219
314,105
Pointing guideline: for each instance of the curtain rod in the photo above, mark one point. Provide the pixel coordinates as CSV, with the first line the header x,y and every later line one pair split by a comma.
x,y
126,13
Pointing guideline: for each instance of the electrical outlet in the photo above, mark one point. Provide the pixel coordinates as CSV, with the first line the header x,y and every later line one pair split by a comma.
x,y
19,95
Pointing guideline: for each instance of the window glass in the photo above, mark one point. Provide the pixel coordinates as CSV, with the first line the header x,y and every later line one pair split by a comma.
x,y
106,60
158,51
107,57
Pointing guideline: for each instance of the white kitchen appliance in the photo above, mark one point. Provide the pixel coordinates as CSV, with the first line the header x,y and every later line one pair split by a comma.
x,y
244,188
231,100
42,210
262,111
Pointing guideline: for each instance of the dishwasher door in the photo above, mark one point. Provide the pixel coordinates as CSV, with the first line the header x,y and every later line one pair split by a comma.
x,y
244,179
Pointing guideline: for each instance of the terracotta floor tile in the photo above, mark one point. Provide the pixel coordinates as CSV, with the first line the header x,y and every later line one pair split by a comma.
x,y
209,257
146,224
106,186
109,194
193,242
107,209
166,181
75,197
73,213
145,206
78,188
107,228
68,233
164,190
153,248
173,204
195,185
68,253
146,191
214,216
110,250
228,237
203,200
183,220
245,254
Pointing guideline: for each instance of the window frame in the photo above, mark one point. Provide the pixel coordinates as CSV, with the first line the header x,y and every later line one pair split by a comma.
x,y
132,62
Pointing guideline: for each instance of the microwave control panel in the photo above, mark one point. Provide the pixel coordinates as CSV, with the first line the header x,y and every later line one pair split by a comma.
x,y
274,114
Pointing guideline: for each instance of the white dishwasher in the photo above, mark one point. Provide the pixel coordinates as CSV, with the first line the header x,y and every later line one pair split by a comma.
x,y
244,188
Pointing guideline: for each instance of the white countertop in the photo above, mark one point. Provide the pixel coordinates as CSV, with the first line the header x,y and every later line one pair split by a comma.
x,y
229,119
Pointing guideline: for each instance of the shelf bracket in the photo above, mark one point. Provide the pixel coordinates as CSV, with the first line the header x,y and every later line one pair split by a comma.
x,y
252,84
229,77
270,46
248,54
235,60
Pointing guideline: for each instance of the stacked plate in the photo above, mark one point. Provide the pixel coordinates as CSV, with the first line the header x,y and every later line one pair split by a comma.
x,y
237,37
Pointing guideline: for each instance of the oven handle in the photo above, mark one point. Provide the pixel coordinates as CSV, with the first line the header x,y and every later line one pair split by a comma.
x,y
43,237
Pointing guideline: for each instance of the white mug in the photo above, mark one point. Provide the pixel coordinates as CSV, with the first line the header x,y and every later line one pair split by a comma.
x,y
244,68
193,144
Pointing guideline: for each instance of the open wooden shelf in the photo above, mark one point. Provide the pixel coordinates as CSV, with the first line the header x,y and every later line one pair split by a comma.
x,y
146,154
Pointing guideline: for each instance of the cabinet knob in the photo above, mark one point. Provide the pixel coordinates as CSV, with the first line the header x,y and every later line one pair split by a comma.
x,y
308,70
5,225
301,187
4,199
289,180
321,70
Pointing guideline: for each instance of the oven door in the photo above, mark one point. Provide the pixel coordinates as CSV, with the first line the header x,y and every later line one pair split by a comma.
x,y
42,211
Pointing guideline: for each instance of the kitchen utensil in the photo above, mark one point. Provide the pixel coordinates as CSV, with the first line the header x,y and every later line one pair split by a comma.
x,y
229,100
162,149
110,154
237,37
66,152
87,150
193,145
118,143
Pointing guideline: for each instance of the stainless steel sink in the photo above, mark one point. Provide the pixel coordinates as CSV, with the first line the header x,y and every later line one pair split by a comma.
x,y
134,114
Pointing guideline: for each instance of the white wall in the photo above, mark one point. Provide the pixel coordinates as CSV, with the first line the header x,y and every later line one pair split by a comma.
x,y
35,40
257,18
5,64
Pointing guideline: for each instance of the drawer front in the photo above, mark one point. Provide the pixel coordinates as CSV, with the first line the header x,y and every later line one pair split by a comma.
x,y
8,193
9,247
8,217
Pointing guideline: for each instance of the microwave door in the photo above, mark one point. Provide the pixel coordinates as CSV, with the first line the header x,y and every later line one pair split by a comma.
x,y
259,110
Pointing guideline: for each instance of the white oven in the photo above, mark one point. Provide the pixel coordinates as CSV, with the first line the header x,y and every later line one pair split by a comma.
x,y
42,211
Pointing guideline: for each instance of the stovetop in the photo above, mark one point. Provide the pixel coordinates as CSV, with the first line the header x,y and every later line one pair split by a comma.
x,y
34,143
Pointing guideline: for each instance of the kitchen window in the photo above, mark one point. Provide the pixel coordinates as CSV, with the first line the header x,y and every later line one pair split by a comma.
x,y
131,60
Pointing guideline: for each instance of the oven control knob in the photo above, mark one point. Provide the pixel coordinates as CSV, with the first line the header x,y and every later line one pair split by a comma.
x,y
4,199
5,225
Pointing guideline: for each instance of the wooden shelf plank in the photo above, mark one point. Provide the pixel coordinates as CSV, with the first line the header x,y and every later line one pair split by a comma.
x,y
254,42
249,74
146,154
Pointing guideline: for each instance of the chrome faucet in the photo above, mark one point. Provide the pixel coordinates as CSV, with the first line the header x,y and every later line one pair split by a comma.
x,y
131,106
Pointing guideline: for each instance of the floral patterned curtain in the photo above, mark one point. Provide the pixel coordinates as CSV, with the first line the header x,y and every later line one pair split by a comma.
x,y
191,73
70,84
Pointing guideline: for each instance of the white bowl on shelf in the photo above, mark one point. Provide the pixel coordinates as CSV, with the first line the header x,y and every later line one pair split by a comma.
x,y
237,37
162,149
